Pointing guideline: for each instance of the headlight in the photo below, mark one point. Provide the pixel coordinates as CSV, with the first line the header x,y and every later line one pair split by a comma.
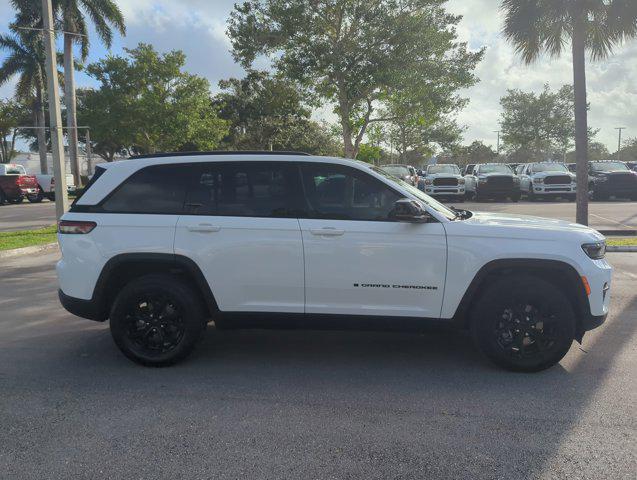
x,y
482,179
428,182
595,250
461,181
538,180
516,180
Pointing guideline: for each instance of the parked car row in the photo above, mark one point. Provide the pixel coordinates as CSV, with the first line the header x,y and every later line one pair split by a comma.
x,y
16,185
533,181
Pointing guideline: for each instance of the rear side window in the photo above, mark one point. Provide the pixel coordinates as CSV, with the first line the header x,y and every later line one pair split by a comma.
x,y
246,189
157,189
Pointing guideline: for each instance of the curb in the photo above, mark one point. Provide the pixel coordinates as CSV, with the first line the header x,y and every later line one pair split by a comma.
x,y
625,249
16,252
618,233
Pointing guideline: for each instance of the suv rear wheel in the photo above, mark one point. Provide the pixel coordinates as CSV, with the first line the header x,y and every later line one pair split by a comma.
x,y
523,323
156,320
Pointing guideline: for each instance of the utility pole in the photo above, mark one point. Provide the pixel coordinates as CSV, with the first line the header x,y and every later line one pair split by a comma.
x,y
619,142
498,149
59,166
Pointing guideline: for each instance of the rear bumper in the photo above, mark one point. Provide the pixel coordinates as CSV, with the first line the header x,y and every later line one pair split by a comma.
x,y
81,308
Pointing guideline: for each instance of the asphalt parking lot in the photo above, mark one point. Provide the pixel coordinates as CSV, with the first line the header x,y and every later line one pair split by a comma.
x,y
267,404
612,215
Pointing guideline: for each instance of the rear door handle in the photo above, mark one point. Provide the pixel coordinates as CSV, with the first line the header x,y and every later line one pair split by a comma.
x,y
327,232
203,228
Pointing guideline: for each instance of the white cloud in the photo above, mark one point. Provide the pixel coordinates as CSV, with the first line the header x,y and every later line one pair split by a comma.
x,y
612,90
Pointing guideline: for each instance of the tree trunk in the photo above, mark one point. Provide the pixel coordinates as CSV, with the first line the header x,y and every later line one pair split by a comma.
x,y
71,114
344,113
40,123
581,118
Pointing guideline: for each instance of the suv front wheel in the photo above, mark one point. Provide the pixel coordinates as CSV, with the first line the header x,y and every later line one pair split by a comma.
x,y
523,323
156,320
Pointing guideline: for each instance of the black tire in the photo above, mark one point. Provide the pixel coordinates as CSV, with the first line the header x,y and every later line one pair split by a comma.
x,y
532,196
36,198
515,198
16,200
51,197
156,320
3,197
571,198
523,323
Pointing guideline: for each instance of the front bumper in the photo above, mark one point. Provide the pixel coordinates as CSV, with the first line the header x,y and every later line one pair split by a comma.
x,y
29,191
542,189
607,189
486,189
445,191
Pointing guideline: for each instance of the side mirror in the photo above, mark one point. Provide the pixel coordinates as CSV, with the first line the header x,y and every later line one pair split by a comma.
x,y
406,210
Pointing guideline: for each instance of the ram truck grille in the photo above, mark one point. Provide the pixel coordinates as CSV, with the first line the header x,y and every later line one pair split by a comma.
x,y
557,180
445,182
500,181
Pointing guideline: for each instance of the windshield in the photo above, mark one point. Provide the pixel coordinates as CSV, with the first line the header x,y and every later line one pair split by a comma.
x,y
424,198
549,167
15,170
609,167
443,169
494,169
396,170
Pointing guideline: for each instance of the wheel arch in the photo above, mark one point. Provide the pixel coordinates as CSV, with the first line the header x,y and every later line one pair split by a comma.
x,y
121,269
561,274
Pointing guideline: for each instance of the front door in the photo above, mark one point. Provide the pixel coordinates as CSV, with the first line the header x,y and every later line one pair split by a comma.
x,y
358,261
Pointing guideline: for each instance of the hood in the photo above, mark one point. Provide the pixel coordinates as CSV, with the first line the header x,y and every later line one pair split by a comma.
x,y
524,226
495,174
444,175
552,174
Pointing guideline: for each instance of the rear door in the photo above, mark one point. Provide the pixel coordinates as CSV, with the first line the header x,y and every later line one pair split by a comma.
x,y
358,261
241,228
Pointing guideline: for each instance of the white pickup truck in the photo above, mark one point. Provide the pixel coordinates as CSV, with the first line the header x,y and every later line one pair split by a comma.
x,y
47,185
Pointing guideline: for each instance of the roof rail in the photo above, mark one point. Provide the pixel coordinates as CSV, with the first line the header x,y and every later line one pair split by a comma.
x,y
216,152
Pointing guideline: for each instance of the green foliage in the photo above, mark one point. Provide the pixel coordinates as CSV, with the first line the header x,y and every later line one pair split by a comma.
x,y
27,238
538,125
358,54
369,153
537,26
477,152
628,153
12,115
146,104
268,113
596,151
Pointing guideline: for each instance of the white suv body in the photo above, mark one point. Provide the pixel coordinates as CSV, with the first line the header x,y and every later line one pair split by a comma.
x,y
342,253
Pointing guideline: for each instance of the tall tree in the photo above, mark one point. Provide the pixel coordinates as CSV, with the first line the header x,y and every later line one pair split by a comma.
x,y
354,53
12,114
537,26
266,112
25,58
146,103
540,124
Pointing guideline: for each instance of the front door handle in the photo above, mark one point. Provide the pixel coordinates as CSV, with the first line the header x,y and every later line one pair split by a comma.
x,y
327,232
203,228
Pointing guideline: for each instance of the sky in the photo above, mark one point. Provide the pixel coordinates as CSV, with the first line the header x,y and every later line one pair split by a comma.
x,y
198,28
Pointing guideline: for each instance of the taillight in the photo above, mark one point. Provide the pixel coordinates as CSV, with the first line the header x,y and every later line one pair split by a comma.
x,y
75,227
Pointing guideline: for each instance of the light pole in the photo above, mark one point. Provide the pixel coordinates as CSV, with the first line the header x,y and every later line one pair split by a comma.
x,y
55,117
498,148
619,142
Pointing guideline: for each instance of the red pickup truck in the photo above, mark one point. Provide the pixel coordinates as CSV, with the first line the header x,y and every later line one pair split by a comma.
x,y
15,184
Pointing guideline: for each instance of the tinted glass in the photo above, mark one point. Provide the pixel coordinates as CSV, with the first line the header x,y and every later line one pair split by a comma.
x,y
156,189
549,167
494,168
609,166
396,170
246,189
341,193
443,169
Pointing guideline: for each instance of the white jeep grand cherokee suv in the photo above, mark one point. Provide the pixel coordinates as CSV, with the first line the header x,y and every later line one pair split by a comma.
x,y
163,244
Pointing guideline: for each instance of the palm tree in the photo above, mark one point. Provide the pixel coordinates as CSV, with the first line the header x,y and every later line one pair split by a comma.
x,y
538,26
26,58
104,14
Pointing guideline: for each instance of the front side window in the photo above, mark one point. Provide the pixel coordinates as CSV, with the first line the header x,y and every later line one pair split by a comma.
x,y
396,170
246,189
342,193
159,189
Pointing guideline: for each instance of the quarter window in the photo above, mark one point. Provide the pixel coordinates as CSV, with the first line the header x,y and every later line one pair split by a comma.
x,y
157,189
341,193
